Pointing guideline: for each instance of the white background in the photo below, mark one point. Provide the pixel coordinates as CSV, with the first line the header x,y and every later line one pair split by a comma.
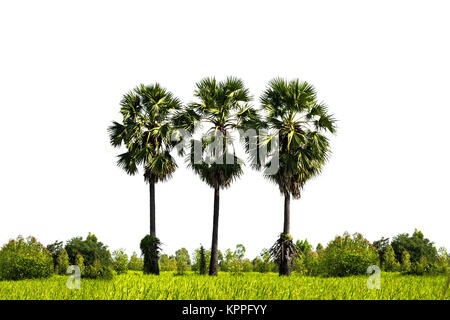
x,y
382,67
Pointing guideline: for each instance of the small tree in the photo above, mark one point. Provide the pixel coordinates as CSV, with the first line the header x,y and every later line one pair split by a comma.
x,y
55,248
389,262
120,261
79,261
420,267
406,262
136,263
62,262
183,260
202,261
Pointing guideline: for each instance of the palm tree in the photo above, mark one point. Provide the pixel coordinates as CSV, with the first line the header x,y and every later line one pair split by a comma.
x,y
293,113
222,107
146,132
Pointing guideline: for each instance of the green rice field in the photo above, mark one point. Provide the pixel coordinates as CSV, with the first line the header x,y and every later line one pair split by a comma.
x,y
254,286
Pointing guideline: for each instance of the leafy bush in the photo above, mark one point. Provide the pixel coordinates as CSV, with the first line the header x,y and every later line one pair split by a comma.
x,y
389,262
347,255
263,263
406,262
55,249
25,259
120,261
97,262
136,263
62,262
417,246
421,267
183,261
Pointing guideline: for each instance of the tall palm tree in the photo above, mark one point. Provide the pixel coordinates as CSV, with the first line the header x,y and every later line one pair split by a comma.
x,y
222,107
146,131
292,112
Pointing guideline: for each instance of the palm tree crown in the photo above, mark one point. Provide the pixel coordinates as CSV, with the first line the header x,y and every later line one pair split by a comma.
x,y
293,112
146,131
222,107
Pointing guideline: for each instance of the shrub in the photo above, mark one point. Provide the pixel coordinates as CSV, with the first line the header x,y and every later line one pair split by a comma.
x,y
202,261
79,261
62,262
167,263
55,249
421,267
346,255
417,246
183,261
97,262
135,264
389,262
406,262
120,261
25,259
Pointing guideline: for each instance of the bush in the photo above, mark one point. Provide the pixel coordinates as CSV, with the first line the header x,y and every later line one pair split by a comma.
x,y
55,249
202,261
135,264
183,261
417,246
120,261
346,255
406,262
389,262
62,262
97,262
25,259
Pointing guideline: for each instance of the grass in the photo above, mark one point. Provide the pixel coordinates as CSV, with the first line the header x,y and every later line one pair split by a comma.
x,y
255,286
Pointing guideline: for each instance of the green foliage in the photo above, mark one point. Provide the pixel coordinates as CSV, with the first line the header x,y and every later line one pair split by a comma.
x,y
25,259
292,111
420,267
167,263
389,262
96,256
202,261
319,247
120,261
136,263
146,131
303,246
55,248
264,263
62,262
150,247
348,255
79,261
183,260
417,246
248,286
381,246
406,262
443,261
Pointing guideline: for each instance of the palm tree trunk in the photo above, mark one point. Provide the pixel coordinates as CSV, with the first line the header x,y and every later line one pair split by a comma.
x,y
285,263
152,210
287,214
154,266
213,265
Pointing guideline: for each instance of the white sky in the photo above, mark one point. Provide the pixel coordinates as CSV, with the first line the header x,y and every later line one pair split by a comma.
x,y
381,66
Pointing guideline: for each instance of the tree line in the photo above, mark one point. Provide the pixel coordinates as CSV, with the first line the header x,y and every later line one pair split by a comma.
x,y
152,116
345,255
